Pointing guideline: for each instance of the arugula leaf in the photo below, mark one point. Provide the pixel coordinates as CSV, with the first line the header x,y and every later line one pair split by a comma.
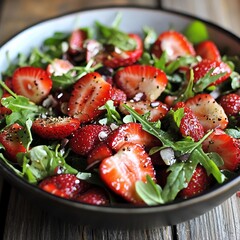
x,y
235,133
25,134
235,83
150,36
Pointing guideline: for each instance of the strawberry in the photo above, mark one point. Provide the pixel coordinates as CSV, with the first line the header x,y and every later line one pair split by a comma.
x,y
87,138
31,82
174,43
208,50
89,93
55,128
10,139
156,109
94,196
118,96
131,133
58,67
76,41
199,182
226,146
121,171
203,67
230,104
4,110
64,185
135,79
119,58
209,113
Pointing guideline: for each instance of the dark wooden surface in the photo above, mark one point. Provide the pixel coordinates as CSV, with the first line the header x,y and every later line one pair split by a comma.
x,y
22,220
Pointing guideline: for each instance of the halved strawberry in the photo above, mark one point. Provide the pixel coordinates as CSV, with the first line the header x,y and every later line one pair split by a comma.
x,y
89,93
199,182
121,171
208,50
226,146
58,67
174,43
118,96
135,79
76,41
230,104
210,114
203,67
64,185
31,82
88,137
55,128
131,133
10,139
157,110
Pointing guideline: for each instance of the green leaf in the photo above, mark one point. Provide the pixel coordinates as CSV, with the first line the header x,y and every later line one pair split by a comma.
x,y
161,62
25,134
235,133
216,158
235,83
178,115
150,36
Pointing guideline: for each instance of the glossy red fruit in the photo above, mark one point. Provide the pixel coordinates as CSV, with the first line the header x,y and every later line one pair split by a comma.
x,y
89,93
121,171
199,182
87,138
31,82
55,128
11,141
118,96
226,146
208,50
3,110
148,80
76,41
209,113
230,104
174,43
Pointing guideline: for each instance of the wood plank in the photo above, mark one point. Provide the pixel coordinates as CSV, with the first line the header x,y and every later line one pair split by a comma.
x,y
37,224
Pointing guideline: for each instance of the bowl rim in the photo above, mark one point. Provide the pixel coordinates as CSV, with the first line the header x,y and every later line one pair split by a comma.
x,y
122,209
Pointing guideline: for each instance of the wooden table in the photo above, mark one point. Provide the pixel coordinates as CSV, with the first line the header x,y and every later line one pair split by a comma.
x,y
20,219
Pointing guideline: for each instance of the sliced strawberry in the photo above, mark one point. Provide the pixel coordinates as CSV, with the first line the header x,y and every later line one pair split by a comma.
x,y
210,114
226,146
88,137
121,171
89,93
55,128
199,182
203,67
135,79
76,41
118,96
4,110
208,50
118,58
157,110
131,133
58,67
98,153
174,43
64,185
10,139
32,82
94,196
230,104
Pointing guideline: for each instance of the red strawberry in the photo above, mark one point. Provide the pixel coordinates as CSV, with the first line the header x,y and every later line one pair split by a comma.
x,y
89,93
87,138
230,104
199,182
94,196
4,110
210,114
115,59
203,67
64,185
156,109
121,171
190,125
135,79
118,96
10,139
226,146
76,41
174,43
98,153
32,82
131,133
58,67
55,128
208,50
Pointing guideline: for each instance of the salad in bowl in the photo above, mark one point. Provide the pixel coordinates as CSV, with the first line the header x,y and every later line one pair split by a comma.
x,y
100,115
